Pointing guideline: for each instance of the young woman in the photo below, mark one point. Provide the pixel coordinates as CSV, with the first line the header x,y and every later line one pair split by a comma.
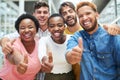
x,y
55,46
23,62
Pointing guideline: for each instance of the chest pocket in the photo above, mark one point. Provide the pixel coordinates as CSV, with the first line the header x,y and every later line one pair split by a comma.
x,y
105,59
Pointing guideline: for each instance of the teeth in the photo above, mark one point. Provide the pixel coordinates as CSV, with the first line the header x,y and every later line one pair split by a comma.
x,y
57,34
27,35
86,23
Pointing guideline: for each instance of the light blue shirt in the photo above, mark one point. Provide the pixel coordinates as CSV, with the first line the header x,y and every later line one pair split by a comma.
x,y
101,55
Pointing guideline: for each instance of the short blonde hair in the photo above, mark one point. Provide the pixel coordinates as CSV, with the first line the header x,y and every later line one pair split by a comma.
x,y
86,3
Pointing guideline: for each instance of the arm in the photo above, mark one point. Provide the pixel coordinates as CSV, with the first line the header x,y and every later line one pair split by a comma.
x,y
19,60
74,56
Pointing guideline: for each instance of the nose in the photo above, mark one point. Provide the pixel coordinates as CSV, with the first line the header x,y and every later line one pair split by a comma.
x,y
84,17
68,14
26,30
56,28
42,14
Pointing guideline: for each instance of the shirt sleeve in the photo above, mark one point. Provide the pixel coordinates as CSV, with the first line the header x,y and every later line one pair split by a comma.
x,y
72,42
12,35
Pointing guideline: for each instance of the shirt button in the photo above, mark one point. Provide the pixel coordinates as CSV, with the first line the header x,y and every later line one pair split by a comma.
x,y
94,79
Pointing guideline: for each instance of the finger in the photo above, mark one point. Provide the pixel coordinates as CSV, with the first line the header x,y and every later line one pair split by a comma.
x,y
50,58
25,59
21,69
80,43
47,67
105,27
44,59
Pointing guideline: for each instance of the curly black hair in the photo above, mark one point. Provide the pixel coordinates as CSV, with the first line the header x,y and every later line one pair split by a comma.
x,y
26,16
55,15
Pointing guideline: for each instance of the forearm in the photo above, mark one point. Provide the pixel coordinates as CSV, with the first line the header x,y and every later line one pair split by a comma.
x,y
10,58
14,58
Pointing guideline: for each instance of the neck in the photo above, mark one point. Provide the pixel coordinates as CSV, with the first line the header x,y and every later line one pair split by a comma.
x,y
43,27
74,28
29,46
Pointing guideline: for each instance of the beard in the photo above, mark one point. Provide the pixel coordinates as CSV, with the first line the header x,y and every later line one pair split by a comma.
x,y
71,24
92,28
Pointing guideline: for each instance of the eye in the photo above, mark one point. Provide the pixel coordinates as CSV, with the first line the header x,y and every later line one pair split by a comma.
x,y
64,13
45,12
71,11
60,25
30,27
51,25
22,27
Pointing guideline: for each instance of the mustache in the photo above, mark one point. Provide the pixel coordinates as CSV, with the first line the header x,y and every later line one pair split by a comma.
x,y
69,17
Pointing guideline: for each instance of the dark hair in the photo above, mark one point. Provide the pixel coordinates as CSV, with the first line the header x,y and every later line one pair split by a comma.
x,y
39,4
26,16
70,4
55,15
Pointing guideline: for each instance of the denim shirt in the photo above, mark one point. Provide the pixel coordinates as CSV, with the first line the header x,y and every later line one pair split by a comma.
x,y
101,55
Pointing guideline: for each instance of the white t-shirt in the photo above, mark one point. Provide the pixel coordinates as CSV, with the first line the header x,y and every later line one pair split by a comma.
x,y
46,44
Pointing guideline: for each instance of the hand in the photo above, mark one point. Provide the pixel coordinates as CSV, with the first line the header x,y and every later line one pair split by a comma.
x,y
47,64
7,46
75,55
22,66
112,29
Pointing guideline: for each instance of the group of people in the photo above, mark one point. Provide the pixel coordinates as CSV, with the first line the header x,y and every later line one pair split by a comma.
x,y
57,43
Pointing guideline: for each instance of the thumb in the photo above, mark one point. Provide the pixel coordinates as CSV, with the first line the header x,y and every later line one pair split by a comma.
x,y
25,59
50,58
12,41
80,43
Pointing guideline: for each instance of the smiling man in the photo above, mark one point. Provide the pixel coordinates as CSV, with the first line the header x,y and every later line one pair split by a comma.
x,y
92,48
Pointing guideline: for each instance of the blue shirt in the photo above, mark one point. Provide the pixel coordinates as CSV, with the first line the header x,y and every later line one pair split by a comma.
x,y
101,55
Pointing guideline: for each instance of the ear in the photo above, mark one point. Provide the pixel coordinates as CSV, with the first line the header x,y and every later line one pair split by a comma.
x,y
48,29
33,14
97,15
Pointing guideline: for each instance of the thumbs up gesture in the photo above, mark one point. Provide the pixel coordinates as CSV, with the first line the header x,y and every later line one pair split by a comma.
x,y
47,63
74,56
22,66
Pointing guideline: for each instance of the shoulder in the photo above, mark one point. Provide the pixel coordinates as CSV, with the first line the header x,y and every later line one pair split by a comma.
x,y
12,35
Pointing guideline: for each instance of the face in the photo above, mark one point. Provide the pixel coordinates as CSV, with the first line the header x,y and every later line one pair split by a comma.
x,y
69,15
27,30
87,18
56,28
42,15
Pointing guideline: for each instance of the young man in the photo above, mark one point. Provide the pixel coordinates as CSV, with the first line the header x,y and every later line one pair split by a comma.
x,y
67,10
92,49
